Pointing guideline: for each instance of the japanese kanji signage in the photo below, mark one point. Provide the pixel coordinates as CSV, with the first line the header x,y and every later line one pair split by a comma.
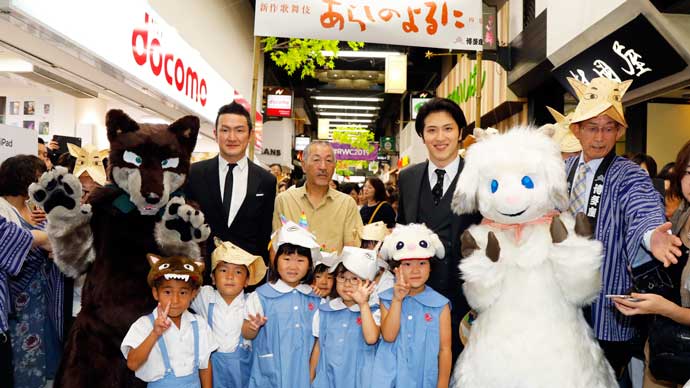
x,y
635,51
447,24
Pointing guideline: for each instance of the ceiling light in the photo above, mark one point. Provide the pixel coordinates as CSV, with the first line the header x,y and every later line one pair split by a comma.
x,y
345,114
361,54
349,125
338,98
353,107
351,120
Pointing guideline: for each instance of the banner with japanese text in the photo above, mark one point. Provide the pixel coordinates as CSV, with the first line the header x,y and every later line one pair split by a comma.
x,y
446,24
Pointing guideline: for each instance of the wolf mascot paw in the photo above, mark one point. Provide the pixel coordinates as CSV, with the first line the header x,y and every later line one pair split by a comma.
x,y
179,225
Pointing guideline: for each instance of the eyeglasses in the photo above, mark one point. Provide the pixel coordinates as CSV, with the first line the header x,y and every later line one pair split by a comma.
x,y
343,279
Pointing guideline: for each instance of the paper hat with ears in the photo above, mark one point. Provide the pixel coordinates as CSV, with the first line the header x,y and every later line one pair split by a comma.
x,y
291,233
376,231
413,241
329,259
359,261
175,268
89,159
230,253
563,136
601,96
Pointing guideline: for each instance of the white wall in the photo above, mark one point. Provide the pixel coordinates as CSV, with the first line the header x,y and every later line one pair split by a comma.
x,y
222,32
62,110
668,129
565,20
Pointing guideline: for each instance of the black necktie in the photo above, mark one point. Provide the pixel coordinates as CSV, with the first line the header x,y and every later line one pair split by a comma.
x,y
227,192
437,191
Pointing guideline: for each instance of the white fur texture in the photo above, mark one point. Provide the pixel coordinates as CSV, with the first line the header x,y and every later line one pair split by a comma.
x,y
530,331
407,242
169,240
129,179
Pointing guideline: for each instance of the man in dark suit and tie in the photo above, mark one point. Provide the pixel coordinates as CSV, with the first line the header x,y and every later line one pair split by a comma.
x,y
426,191
236,195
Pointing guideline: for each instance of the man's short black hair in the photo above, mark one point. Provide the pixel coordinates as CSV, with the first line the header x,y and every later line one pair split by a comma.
x,y
236,109
41,141
439,105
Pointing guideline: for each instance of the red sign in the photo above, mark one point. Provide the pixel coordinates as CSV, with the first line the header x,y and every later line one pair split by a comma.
x,y
162,61
279,103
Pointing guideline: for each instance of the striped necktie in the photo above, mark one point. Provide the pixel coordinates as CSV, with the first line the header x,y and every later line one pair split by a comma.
x,y
578,194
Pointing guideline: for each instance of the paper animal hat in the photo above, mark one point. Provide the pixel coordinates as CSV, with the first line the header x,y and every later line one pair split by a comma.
x,y
359,261
90,160
175,268
563,136
375,231
413,241
230,253
601,96
291,233
329,259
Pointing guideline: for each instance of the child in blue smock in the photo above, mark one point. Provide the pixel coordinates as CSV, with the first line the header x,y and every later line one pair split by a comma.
x,y
170,347
233,269
346,328
324,281
415,319
279,314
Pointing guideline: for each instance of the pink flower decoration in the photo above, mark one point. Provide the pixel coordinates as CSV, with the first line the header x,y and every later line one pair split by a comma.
x,y
311,306
427,317
359,321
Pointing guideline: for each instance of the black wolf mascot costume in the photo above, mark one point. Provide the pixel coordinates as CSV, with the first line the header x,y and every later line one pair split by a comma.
x,y
108,239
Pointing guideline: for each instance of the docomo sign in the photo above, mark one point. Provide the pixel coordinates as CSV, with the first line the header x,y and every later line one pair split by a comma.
x,y
159,61
130,36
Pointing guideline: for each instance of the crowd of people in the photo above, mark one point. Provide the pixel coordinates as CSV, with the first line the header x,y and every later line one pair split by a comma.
x,y
296,290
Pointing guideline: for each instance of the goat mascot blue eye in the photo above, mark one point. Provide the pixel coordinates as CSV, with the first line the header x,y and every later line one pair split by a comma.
x,y
527,182
494,185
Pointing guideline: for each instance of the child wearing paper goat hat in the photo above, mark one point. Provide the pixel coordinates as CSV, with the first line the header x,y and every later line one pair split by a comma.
x,y
421,314
372,235
280,313
347,327
232,269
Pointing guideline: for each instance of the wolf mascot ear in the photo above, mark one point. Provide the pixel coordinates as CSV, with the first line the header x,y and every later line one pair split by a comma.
x,y
117,122
186,129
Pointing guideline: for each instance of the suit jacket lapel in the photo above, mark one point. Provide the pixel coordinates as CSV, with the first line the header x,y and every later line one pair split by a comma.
x,y
412,201
213,182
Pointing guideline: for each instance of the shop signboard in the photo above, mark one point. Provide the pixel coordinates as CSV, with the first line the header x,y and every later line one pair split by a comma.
x,y
16,141
635,51
131,36
348,152
446,24
417,101
387,144
279,103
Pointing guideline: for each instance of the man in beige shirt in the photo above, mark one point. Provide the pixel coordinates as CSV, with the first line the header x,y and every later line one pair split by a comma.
x,y
332,216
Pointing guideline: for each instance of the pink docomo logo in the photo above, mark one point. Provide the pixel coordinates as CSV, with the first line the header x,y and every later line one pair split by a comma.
x,y
146,47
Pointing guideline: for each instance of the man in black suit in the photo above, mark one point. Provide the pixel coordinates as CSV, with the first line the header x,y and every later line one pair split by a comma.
x,y
236,195
426,191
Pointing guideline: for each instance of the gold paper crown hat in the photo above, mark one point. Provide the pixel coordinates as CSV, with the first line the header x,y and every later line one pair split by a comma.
x,y
601,96
563,136
89,159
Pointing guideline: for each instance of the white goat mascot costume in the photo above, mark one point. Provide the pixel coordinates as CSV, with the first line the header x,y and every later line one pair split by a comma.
x,y
527,271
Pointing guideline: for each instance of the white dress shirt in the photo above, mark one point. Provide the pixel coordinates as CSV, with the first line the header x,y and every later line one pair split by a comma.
x,y
227,318
179,343
338,304
239,184
451,170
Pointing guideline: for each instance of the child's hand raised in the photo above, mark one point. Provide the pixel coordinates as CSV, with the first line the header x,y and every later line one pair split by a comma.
x,y
401,288
362,292
318,291
256,321
162,323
